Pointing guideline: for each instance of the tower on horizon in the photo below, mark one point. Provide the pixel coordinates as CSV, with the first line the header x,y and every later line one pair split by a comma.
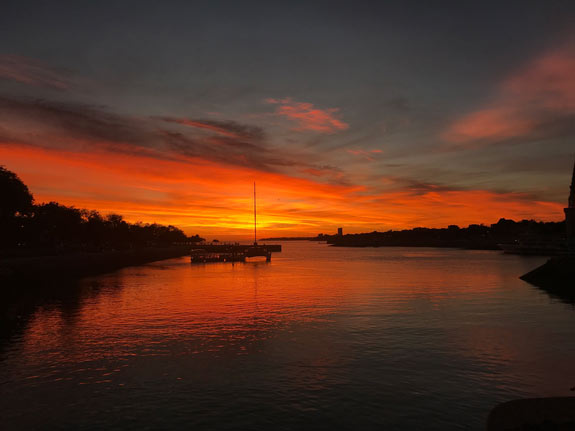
x,y
570,210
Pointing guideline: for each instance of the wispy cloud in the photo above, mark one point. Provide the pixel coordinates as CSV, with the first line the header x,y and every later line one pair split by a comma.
x,y
309,117
32,72
58,125
414,186
198,173
368,155
71,122
537,102
226,128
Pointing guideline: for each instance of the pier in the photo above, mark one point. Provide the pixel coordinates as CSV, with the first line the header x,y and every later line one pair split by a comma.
x,y
204,253
237,248
234,252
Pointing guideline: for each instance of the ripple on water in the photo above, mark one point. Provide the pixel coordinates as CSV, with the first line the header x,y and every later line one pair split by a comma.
x,y
320,337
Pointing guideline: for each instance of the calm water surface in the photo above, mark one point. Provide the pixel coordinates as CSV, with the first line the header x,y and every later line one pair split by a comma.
x,y
321,337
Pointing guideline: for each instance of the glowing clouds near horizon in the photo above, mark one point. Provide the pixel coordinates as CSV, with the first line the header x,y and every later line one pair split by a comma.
x,y
315,171
215,199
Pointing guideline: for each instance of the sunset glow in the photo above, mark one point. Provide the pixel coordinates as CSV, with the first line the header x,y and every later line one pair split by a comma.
x,y
188,193
290,215
322,158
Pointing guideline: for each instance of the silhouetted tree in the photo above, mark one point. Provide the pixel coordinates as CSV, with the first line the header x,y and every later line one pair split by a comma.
x,y
15,198
195,239
16,202
52,227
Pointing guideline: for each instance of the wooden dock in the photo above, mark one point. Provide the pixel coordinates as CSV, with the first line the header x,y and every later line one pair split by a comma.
x,y
204,253
236,248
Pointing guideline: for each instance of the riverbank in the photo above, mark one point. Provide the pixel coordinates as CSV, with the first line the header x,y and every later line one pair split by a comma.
x,y
76,265
375,241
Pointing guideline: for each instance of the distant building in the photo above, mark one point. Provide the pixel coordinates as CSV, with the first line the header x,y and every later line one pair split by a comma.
x,y
339,231
570,210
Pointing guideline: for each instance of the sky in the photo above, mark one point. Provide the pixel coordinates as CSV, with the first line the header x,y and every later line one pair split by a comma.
x,y
366,115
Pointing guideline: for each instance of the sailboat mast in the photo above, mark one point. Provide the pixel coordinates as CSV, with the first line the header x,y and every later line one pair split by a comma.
x,y
255,219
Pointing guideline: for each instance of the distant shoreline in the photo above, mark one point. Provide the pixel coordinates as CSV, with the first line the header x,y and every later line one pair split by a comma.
x,y
366,244
472,237
293,238
457,245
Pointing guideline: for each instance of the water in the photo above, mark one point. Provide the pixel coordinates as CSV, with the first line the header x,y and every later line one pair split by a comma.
x,y
320,338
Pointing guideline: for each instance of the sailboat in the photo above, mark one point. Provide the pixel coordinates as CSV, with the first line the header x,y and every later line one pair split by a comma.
x,y
204,253
257,250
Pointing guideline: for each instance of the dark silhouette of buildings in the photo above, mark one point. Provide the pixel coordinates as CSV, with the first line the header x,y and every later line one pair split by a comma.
x,y
557,274
339,231
570,210
473,237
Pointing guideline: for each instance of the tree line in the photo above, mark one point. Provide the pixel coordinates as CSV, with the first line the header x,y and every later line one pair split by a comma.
x,y
27,226
473,236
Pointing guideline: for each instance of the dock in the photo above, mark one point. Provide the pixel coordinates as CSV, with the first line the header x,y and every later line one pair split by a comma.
x,y
237,248
204,253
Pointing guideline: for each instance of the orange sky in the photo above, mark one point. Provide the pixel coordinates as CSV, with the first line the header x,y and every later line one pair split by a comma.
x,y
215,200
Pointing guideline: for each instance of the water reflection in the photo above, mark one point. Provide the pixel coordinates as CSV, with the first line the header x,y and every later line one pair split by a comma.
x,y
561,294
320,336
22,303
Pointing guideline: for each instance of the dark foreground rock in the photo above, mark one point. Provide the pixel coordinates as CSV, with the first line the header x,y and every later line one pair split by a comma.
x,y
82,264
533,414
557,276
557,271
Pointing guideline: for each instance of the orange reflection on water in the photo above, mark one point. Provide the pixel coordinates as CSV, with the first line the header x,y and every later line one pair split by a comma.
x,y
318,325
175,308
